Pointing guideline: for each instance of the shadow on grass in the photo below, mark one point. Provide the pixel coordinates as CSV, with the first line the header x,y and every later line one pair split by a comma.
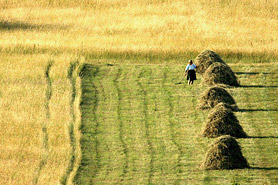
x,y
262,137
252,73
259,86
10,26
255,110
263,168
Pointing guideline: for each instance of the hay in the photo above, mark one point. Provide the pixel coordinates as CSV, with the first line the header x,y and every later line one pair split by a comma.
x,y
214,95
222,105
219,73
222,121
205,59
225,153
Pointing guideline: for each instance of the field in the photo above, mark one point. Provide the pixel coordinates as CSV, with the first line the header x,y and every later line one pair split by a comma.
x,y
144,129
88,93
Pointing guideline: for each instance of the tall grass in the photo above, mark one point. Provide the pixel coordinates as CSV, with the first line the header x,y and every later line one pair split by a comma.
x,y
57,128
35,117
97,27
22,112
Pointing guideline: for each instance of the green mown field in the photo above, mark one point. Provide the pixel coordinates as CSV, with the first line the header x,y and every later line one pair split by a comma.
x,y
139,127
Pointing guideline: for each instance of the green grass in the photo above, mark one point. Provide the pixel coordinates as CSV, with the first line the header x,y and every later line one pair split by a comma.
x,y
140,128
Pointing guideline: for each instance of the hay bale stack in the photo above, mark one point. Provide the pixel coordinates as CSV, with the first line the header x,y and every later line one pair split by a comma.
x,y
219,73
222,121
225,153
215,95
205,59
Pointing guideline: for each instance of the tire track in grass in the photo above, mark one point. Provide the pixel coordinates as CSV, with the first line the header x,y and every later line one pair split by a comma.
x,y
48,94
90,161
171,116
146,122
119,117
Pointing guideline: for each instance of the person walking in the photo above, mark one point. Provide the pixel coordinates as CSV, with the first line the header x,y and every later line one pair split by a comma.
x,y
190,70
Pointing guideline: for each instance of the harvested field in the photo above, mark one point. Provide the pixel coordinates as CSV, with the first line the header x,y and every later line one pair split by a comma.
x,y
146,128
126,121
138,127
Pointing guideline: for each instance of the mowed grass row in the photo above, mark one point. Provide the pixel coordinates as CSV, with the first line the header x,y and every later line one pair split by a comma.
x,y
140,128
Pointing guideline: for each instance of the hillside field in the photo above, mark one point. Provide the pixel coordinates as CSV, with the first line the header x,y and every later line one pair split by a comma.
x,y
88,93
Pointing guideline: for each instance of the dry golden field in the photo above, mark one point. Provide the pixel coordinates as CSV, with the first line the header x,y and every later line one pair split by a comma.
x,y
39,39
140,26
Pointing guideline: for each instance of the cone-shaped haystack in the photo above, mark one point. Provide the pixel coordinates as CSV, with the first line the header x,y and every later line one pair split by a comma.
x,y
205,59
222,121
215,95
225,153
219,73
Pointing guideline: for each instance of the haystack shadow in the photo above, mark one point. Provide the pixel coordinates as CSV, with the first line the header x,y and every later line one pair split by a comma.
x,y
262,137
259,86
263,168
251,73
11,26
255,110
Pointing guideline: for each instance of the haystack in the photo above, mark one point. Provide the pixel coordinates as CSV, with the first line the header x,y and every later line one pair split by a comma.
x,y
222,121
205,59
225,153
219,73
214,95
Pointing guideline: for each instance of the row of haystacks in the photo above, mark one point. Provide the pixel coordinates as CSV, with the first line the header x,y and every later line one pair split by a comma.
x,y
214,70
225,152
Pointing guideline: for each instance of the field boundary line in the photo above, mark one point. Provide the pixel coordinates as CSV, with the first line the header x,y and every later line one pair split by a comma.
x,y
76,127
89,160
48,95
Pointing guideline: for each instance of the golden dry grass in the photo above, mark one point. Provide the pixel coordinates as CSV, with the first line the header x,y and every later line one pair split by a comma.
x,y
22,112
23,116
58,124
175,26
